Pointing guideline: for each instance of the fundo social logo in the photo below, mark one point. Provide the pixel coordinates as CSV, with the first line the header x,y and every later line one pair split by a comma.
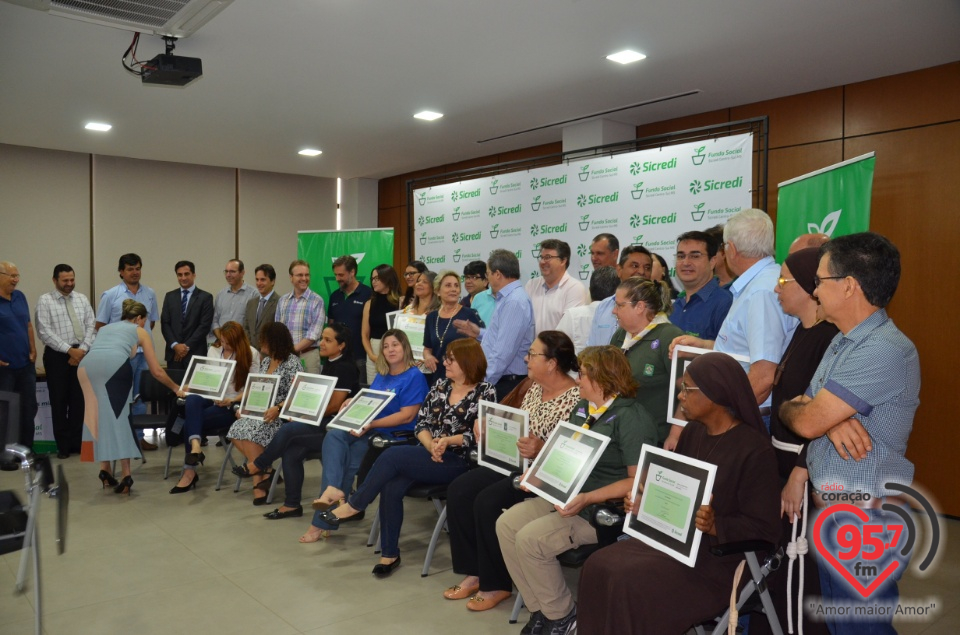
x,y
863,551
827,226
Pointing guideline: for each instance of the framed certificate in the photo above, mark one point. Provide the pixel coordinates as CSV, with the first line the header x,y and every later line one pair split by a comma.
x,y
564,463
414,326
363,409
682,356
500,429
208,377
674,487
258,395
308,398
392,318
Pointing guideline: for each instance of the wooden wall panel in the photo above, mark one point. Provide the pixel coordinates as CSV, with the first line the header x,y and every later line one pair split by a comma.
x,y
788,163
798,119
919,98
395,217
684,123
391,192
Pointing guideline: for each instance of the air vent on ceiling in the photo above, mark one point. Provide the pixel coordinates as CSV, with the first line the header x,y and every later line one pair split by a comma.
x,y
178,18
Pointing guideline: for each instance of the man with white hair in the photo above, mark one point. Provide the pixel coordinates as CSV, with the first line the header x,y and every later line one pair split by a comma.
x,y
756,325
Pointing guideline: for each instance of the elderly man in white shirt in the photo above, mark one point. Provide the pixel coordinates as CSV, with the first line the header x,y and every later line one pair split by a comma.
x,y
556,290
577,321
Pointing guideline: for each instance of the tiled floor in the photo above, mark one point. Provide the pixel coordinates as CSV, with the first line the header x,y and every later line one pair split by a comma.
x,y
207,562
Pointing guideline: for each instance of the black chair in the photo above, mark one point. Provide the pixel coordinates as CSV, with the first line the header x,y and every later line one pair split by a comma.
x,y
162,402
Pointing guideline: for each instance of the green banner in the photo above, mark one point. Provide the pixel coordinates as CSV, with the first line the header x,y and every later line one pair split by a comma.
x,y
834,201
371,248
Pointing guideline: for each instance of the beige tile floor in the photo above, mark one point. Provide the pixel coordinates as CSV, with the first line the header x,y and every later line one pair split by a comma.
x,y
207,562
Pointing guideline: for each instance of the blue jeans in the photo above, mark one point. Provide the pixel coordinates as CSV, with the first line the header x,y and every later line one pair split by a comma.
x,y
837,592
202,415
342,454
22,381
291,443
391,476
138,364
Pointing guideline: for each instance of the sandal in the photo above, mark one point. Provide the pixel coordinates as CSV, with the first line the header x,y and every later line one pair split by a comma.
x,y
243,471
322,506
264,485
311,537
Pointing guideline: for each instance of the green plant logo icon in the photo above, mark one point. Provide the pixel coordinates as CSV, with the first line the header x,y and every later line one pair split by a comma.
x,y
584,168
423,235
492,212
455,238
635,169
635,221
582,200
534,183
582,250
534,230
536,199
585,218
638,239
454,196
699,156
495,183
695,186
638,185
457,252
584,267
422,198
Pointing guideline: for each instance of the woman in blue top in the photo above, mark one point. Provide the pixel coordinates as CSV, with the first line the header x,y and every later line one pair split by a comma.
x,y
343,451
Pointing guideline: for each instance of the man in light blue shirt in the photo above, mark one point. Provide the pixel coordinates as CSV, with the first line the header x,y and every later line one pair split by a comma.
x,y
110,308
635,260
507,339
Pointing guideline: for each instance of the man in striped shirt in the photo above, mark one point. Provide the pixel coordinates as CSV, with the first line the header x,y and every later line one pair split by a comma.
x,y
302,312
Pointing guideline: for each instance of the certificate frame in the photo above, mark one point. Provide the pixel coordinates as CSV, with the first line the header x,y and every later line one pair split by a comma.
x,y
303,384
560,492
670,475
359,423
490,458
687,354
417,324
273,381
392,318
199,364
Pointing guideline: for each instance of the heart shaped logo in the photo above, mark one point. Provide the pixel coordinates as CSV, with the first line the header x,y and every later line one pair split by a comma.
x,y
865,591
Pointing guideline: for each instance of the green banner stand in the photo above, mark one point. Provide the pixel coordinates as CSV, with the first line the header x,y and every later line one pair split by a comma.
x,y
371,248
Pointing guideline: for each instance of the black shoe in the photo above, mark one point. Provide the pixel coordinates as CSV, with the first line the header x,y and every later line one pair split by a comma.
x,y
561,626
357,516
203,441
534,625
176,489
195,457
106,478
63,455
9,466
277,514
219,444
261,500
242,471
124,486
384,570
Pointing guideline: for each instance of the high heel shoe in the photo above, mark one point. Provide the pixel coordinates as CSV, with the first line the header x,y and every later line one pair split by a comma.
x,y
124,486
195,457
186,488
106,478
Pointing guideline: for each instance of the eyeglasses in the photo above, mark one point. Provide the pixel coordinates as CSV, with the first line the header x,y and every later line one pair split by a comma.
x,y
684,388
15,276
782,282
532,354
374,278
408,274
547,258
449,359
693,255
817,279
474,276
620,305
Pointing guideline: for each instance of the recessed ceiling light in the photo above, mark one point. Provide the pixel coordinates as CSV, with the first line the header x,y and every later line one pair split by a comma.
x,y
626,57
310,152
99,127
428,115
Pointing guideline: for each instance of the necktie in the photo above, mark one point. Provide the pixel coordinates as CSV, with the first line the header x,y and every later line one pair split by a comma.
x,y
77,328
183,304
260,306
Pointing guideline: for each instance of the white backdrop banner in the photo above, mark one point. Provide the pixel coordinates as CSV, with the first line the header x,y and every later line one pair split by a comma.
x,y
648,197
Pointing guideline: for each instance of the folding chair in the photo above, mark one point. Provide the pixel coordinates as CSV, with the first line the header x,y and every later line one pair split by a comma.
x,y
162,400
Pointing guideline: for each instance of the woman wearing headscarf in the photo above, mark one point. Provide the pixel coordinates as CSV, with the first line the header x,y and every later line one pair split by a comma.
x,y
630,587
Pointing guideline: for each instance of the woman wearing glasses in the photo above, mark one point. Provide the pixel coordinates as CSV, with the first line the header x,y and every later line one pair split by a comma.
x,y
383,300
425,298
724,428
477,499
641,307
479,297
410,273
440,331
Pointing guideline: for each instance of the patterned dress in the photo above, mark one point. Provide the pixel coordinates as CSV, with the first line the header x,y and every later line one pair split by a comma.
x,y
260,432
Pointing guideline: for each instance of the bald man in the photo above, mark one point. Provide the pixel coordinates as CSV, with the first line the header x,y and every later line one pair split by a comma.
x,y
18,352
806,241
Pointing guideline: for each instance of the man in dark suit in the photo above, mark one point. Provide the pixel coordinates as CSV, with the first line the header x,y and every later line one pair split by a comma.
x,y
186,318
261,309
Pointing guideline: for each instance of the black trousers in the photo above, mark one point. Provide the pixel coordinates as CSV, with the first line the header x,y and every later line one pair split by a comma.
x,y
66,400
475,501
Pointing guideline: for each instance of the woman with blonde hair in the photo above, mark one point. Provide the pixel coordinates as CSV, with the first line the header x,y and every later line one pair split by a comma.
x,y
440,331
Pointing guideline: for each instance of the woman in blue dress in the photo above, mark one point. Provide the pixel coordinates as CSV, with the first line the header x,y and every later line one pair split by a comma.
x,y
106,378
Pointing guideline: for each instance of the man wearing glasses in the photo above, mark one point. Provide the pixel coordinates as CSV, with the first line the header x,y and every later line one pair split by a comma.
x,y
18,352
231,301
556,290
703,305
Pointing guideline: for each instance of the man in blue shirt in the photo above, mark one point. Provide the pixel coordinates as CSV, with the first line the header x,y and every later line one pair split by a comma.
x,y
507,339
18,352
346,306
702,306
110,308
859,412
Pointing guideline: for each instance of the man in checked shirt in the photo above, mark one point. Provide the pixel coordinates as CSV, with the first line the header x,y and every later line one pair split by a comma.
x,y
302,311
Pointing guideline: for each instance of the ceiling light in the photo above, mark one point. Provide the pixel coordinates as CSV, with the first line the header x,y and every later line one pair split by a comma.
x,y
310,152
626,57
99,127
428,115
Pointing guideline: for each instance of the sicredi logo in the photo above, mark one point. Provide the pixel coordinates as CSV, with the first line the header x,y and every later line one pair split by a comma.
x,y
536,230
649,219
547,182
429,220
655,166
458,237
502,210
597,199
710,185
434,260
461,194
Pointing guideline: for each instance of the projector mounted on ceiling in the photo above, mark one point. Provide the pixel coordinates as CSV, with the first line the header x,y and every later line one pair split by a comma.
x,y
177,18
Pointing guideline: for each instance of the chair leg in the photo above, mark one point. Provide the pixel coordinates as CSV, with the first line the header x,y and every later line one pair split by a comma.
x,y
166,469
374,537
517,605
441,521
273,481
228,459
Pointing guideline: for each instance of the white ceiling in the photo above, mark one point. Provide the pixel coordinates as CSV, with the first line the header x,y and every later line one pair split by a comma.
x,y
347,75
